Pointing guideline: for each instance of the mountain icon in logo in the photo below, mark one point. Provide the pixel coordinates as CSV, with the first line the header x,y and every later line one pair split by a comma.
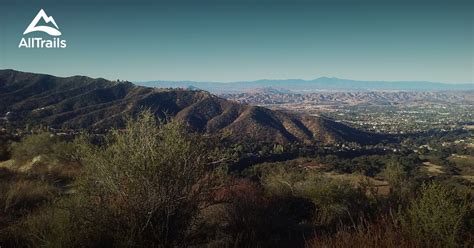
x,y
47,19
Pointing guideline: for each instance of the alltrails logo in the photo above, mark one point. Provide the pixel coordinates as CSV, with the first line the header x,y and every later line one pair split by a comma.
x,y
38,42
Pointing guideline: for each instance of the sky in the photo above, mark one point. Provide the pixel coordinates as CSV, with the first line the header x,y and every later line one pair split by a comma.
x,y
232,40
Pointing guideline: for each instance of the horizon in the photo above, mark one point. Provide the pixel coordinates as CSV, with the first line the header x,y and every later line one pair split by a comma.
x,y
237,123
249,81
234,41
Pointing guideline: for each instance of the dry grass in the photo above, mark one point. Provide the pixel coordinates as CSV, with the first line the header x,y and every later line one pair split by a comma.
x,y
27,194
382,187
433,168
469,127
9,164
464,162
384,233
467,178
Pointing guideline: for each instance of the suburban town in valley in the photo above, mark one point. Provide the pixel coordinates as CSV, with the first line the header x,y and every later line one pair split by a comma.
x,y
381,112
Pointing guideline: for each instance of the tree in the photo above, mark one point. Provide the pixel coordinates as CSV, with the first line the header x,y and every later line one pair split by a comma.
x,y
397,178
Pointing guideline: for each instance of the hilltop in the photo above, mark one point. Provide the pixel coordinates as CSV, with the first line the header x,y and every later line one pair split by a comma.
x,y
81,102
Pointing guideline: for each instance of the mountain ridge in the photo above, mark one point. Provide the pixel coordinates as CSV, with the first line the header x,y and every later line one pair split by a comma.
x,y
81,102
318,84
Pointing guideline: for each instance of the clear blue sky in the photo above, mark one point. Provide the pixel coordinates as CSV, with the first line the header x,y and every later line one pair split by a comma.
x,y
231,40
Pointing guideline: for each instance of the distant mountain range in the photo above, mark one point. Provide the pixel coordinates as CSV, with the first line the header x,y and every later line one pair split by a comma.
x,y
319,84
83,102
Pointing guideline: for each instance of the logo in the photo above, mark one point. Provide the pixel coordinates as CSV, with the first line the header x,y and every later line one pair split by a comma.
x,y
39,42
49,30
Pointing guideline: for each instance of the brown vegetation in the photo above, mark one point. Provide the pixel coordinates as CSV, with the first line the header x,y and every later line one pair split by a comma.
x,y
153,184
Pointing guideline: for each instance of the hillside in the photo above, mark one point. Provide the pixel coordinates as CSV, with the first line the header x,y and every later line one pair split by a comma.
x,y
82,102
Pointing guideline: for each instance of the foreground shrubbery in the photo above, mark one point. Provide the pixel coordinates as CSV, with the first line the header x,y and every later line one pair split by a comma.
x,y
438,217
51,147
385,232
336,201
149,181
248,217
142,186
153,184
5,147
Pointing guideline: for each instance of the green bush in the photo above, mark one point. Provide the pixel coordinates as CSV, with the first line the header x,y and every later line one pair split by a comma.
x,y
437,216
335,200
64,152
51,147
400,185
32,146
281,180
143,187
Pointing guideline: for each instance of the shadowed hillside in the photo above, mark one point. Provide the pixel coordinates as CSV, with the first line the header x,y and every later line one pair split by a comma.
x,y
83,102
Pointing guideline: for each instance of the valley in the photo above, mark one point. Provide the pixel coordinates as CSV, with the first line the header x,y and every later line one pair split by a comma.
x,y
378,111
76,147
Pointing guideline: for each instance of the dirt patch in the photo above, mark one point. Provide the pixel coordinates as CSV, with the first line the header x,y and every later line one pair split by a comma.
x,y
433,168
468,178
381,186
9,164
314,165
